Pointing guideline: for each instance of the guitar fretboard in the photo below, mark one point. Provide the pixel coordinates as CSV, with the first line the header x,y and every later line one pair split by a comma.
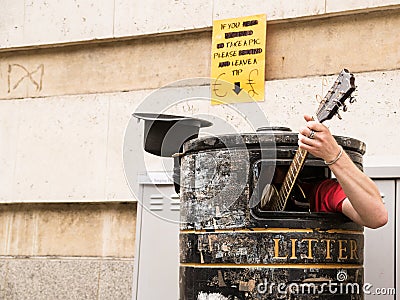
x,y
290,178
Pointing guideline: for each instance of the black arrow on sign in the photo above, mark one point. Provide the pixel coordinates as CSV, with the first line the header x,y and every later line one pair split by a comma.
x,y
237,88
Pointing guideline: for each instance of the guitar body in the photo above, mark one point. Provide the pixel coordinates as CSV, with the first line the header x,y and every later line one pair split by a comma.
x,y
269,197
297,200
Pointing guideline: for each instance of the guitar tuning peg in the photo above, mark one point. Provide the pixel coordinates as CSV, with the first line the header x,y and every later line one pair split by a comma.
x,y
352,99
344,107
339,116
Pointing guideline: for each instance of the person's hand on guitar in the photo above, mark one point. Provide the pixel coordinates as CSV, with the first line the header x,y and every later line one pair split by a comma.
x,y
317,139
363,203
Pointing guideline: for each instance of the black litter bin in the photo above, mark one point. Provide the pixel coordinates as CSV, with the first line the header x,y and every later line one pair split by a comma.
x,y
232,249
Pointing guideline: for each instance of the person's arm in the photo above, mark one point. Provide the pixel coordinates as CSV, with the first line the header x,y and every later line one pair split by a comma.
x,y
363,203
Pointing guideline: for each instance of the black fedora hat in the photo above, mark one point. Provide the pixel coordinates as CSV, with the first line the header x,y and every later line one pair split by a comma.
x,y
165,134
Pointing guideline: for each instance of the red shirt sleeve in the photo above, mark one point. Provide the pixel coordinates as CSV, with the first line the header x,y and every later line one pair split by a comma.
x,y
329,196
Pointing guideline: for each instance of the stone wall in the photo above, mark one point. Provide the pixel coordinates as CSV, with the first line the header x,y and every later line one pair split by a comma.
x,y
72,74
67,250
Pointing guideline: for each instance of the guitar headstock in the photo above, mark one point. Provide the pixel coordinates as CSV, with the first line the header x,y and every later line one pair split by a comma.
x,y
336,96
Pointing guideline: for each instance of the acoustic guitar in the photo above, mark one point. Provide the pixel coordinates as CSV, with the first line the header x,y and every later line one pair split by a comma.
x,y
343,87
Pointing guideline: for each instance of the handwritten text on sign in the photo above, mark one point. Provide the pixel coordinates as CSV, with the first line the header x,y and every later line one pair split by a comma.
x,y
238,59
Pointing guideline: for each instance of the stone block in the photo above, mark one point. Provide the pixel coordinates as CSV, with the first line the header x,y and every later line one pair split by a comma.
x,y
337,6
116,280
3,277
48,22
322,47
274,9
122,105
102,230
125,66
61,149
158,16
44,279
8,151
12,23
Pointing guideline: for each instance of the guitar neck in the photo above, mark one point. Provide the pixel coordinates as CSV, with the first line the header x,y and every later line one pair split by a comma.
x,y
291,176
334,99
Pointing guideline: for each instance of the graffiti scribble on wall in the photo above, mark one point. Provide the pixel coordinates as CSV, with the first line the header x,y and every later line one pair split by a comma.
x,y
18,73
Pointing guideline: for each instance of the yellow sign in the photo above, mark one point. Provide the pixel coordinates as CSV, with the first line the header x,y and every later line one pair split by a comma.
x,y
238,60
